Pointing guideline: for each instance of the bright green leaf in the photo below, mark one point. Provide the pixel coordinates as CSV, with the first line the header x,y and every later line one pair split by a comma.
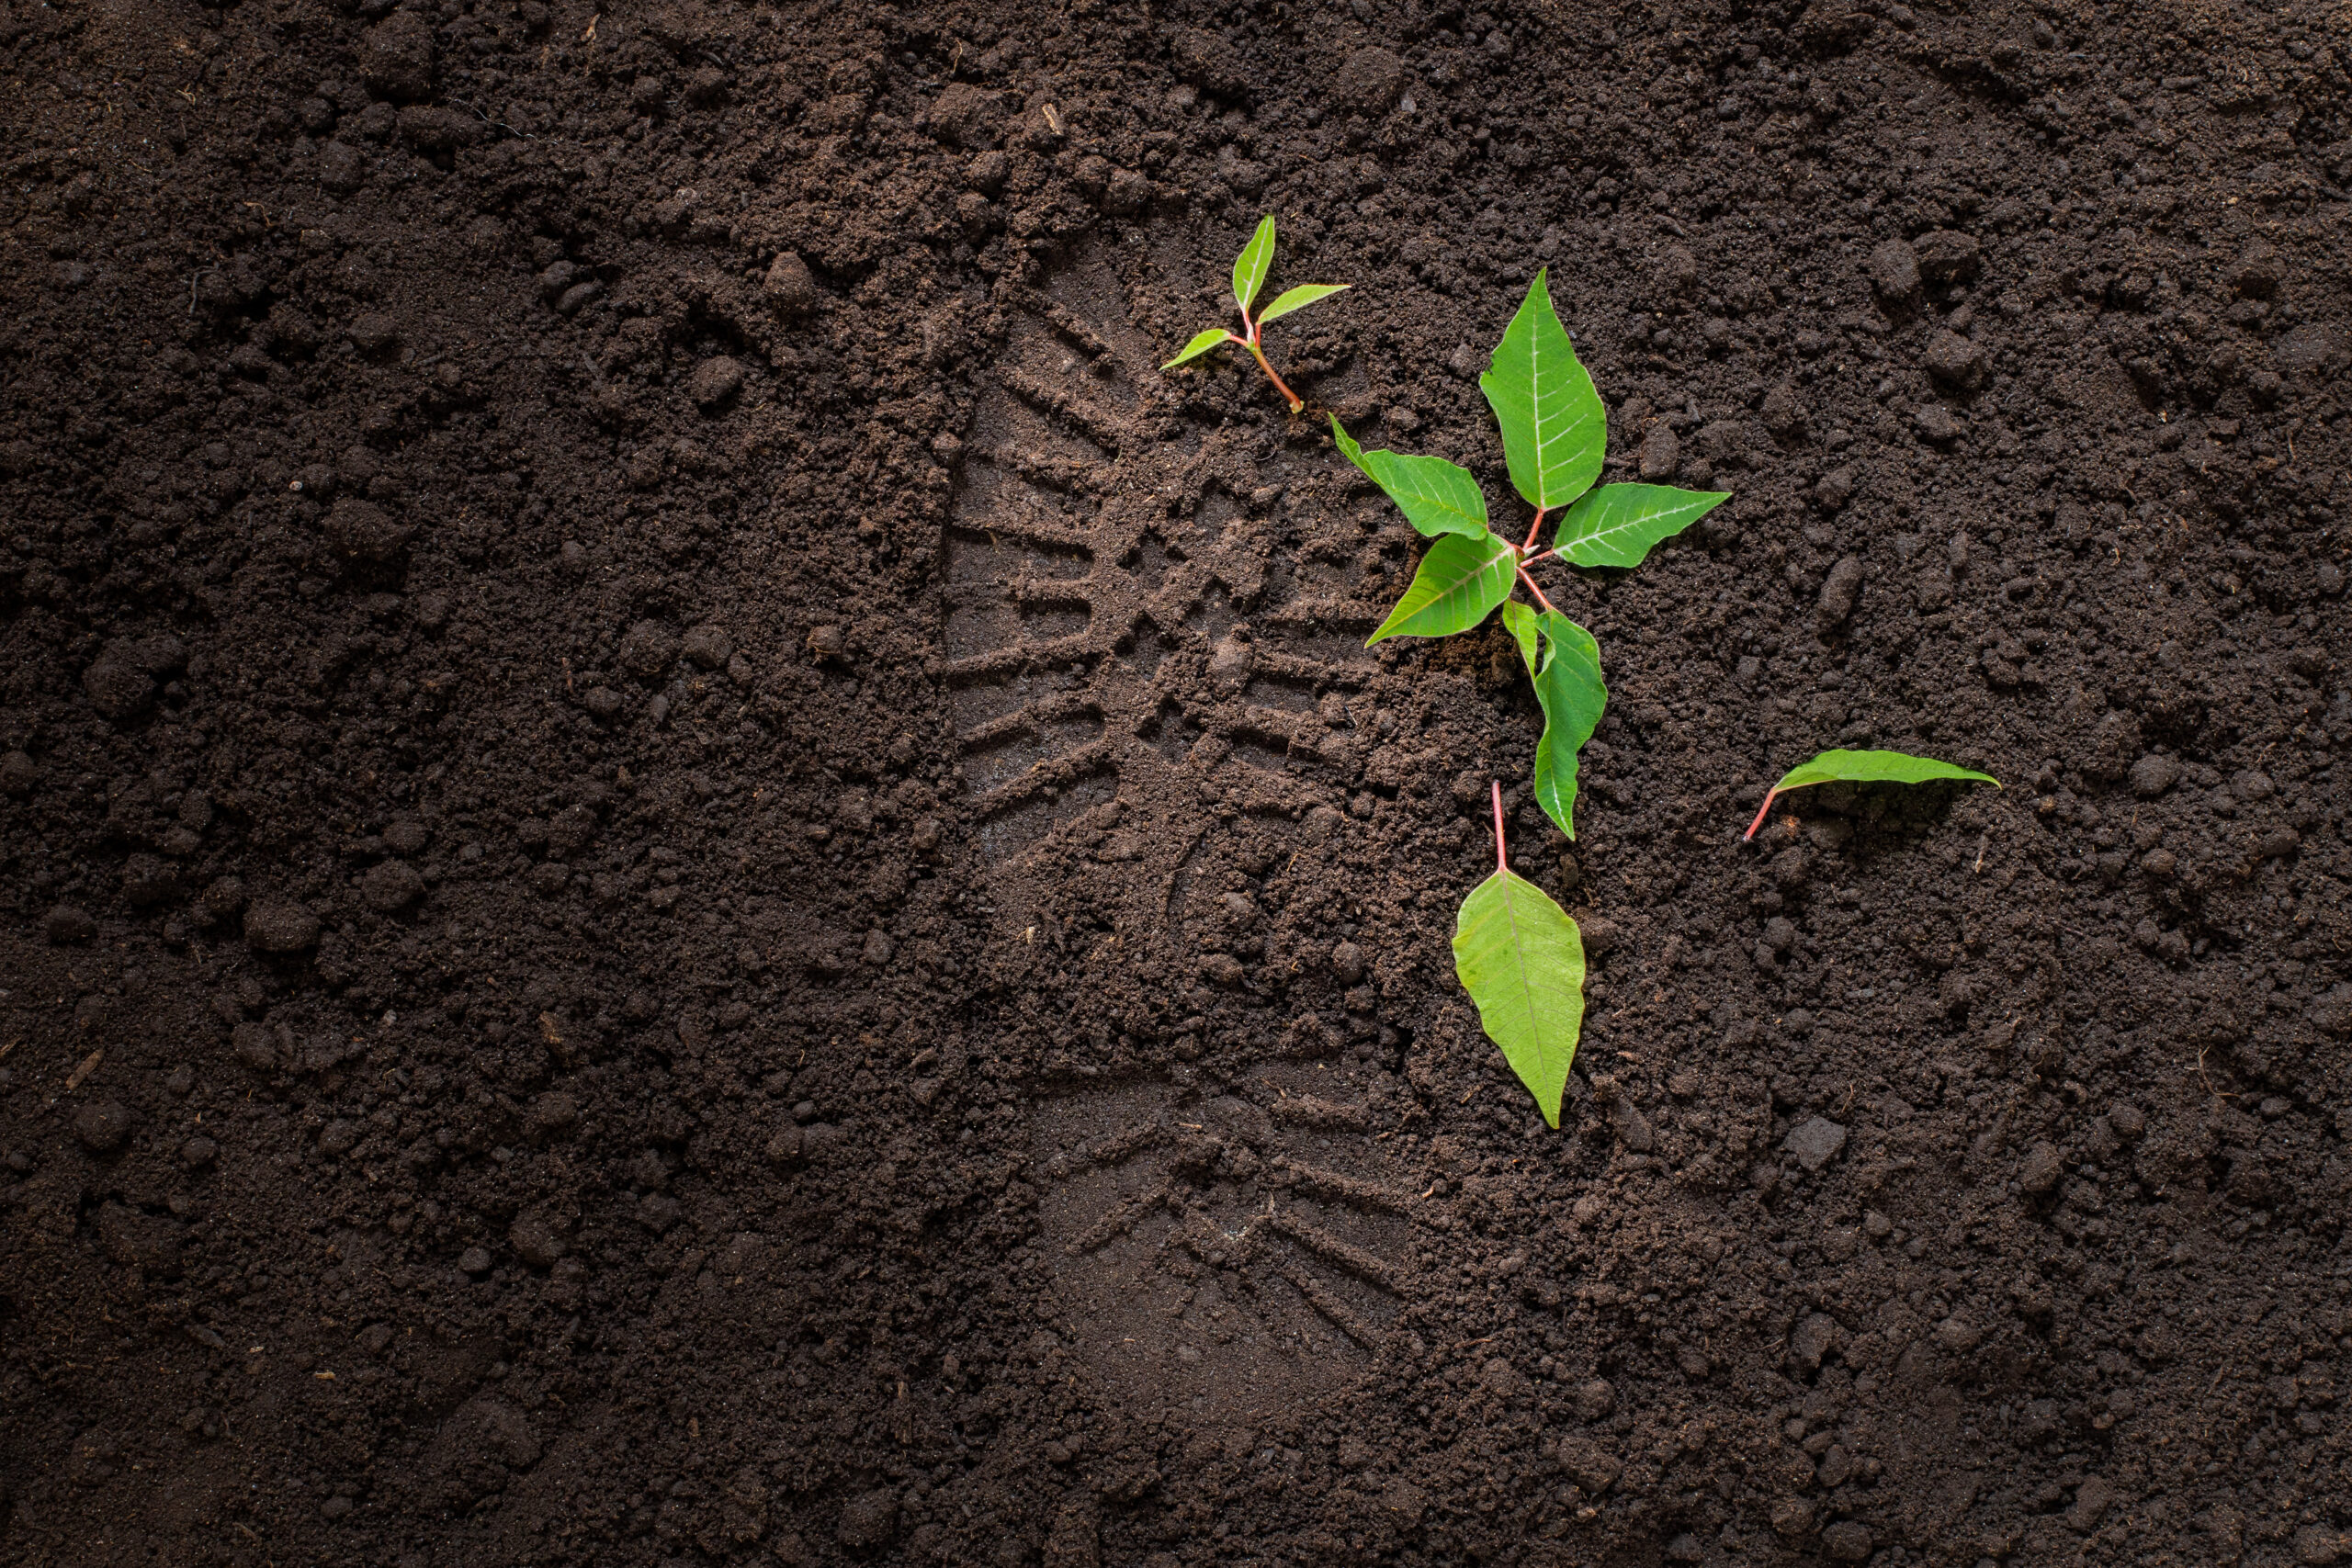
x,y
1436,496
1865,767
1522,959
1617,525
1298,299
1568,685
1874,767
1257,257
1201,342
1459,583
1554,429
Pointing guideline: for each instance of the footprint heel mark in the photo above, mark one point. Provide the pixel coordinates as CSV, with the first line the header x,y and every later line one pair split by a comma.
x,y
1227,1255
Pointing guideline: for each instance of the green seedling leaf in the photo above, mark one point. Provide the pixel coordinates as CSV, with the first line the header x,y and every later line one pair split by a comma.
x,y
1298,299
1568,685
1459,583
1250,266
1436,496
1618,525
1522,959
1519,621
1201,342
1864,767
1553,427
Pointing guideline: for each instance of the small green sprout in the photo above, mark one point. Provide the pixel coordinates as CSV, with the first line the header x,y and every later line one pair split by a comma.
x,y
1863,767
1249,269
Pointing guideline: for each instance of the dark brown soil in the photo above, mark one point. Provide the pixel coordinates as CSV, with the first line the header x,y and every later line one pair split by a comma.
x,y
692,876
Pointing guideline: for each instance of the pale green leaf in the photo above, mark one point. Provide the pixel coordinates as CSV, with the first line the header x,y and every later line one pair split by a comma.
x,y
1568,685
1519,621
1459,583
1617,525
1257,258
1554,429
1875,767
1436,496
1201,342
1522,959
1298,299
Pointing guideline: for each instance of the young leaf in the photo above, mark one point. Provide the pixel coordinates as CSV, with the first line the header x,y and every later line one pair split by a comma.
x,y
1522,959
1460,581
1519,621
1298,299
1553,426
1201,342
1568,685
1617,525
1864,767
1250,266
1436,496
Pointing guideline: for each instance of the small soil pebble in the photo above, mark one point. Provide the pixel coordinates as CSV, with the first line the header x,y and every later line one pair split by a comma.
x,y
474,1260
102,1126
648,649
279,926
707,646
67,926
1815,1142
1894,271
19,775
789,289
1957,362
535,1240
391,885
365,531
2154,774
715,380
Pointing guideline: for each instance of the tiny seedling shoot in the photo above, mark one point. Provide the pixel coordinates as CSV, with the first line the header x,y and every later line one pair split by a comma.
x,y
1249,269
1522,959
1863,767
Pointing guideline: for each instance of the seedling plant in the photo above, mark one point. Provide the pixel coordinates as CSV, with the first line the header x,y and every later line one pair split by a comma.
x,y
1249,269
1517,953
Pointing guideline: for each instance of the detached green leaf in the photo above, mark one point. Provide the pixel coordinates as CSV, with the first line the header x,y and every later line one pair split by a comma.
x,y
1864,767
1568,685
1618,525
1522,959
1201,342
1554,429
1874,767
1459,583
1436,496
1250,266
1298,299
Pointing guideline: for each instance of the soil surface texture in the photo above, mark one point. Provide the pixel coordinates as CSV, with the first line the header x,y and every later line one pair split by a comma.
x,y
690,875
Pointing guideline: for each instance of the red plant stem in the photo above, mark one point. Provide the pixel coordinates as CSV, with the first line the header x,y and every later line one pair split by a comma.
x,y
1768,796
1537,592
1295,402
1500,865
1534,528
1547,555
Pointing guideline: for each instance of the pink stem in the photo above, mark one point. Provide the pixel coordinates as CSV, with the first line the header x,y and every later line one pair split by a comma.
x,y
1500,865
1537,592
1768,796
1534,528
